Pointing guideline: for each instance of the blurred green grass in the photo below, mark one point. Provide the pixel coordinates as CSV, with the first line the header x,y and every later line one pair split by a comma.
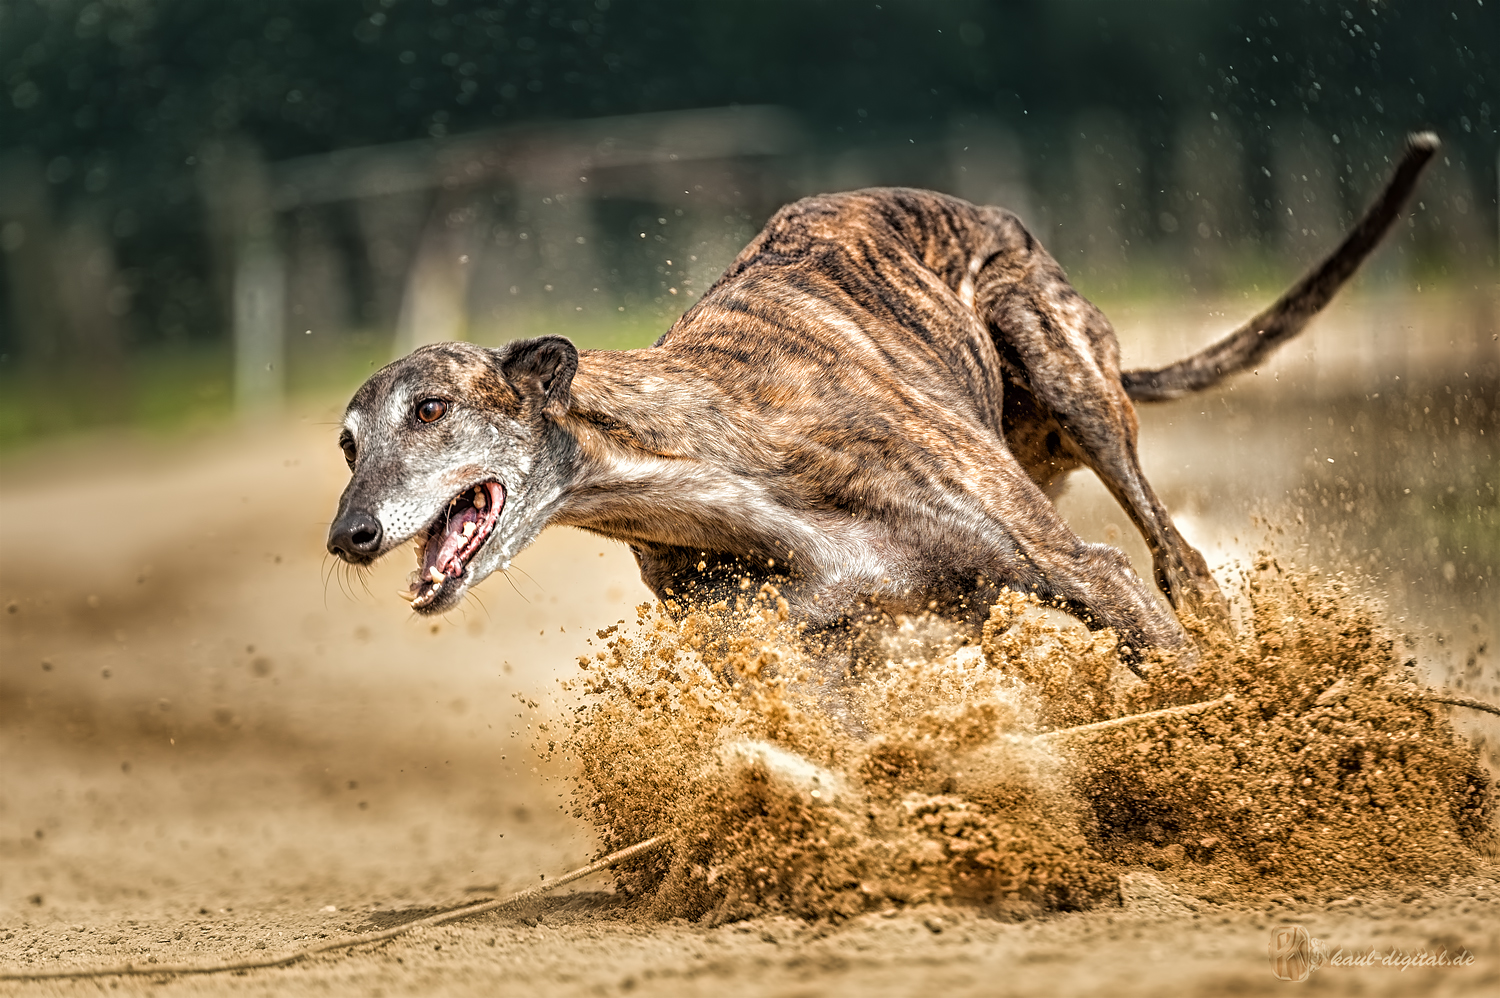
x,y
155,391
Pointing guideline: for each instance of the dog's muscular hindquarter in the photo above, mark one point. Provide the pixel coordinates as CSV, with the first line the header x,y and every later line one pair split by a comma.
x,y
870,407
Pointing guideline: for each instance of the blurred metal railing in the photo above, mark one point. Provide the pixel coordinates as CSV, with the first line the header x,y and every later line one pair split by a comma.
x,y
561,166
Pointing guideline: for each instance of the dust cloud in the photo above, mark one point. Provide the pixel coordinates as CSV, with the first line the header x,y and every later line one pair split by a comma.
x,y
1319,770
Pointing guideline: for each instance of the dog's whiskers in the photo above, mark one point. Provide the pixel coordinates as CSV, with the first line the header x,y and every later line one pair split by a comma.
x,y
506,572
517,568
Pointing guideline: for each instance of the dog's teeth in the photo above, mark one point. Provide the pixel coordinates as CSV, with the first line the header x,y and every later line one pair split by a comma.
x,y
479,499
469,528
406,594
436,576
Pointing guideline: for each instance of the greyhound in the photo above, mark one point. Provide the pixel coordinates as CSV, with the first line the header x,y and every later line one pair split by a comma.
x,y
872,408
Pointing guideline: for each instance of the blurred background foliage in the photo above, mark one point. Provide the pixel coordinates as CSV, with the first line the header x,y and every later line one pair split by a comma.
x,y
205,205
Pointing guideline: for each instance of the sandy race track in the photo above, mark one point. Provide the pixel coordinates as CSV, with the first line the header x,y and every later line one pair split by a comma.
x,y
215,746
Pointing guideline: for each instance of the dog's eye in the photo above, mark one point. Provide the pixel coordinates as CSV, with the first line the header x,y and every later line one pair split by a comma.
x,y
431,410
349,451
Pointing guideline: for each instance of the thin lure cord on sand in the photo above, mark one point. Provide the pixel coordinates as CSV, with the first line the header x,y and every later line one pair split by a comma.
x,y
1119,722
348,942
1429,696
1457,700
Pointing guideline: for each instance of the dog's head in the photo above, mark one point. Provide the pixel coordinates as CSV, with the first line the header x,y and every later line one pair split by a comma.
x,y
455,447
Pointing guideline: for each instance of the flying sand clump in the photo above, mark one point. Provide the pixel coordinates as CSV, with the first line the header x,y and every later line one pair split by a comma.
x,y
1316,771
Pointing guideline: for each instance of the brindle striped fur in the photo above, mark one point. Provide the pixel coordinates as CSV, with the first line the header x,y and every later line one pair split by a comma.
x,y
869,408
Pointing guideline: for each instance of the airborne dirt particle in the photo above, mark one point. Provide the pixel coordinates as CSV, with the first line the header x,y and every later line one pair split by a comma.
x,y
1322,773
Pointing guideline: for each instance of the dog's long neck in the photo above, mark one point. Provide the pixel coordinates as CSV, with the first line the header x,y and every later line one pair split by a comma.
x,y
635,403
650,437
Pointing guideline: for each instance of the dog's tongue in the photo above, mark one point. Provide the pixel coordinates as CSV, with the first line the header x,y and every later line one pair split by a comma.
x,y
441,552
451,543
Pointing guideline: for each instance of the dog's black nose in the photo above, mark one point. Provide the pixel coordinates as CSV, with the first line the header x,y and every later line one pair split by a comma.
x,y
355,536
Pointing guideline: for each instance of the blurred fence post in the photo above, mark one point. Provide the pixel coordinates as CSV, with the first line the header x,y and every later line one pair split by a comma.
x,y
390,227
434,307
259,331
238,196
318,299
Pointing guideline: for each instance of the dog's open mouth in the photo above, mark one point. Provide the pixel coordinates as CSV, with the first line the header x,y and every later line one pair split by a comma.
x,y
445,547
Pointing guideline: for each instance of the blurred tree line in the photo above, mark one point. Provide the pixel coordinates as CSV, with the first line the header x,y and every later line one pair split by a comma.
x,y
1211,140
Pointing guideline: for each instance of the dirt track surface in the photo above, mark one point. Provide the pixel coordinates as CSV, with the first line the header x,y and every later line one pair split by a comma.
x,y
1153,945
210,751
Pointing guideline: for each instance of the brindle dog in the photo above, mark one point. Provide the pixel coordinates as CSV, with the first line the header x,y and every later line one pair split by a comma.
x,y
871,408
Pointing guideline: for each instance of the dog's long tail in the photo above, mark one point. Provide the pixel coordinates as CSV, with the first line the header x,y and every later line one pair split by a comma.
x,y
1286,317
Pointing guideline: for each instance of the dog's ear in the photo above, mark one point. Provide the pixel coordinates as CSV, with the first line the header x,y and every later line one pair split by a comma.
x,y
545,365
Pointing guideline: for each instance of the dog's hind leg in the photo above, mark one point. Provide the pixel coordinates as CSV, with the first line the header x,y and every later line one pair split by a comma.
x,y
1066,351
